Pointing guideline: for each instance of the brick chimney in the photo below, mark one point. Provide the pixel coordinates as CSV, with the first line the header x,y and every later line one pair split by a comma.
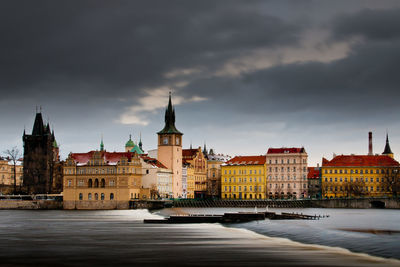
x,y
370,152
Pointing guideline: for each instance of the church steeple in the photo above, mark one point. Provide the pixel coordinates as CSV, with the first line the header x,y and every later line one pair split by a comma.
x,y
387,150
140,141
101,144
169,127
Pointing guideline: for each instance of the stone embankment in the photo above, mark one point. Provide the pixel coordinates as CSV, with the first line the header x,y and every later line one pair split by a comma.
x,y
355,203
30,205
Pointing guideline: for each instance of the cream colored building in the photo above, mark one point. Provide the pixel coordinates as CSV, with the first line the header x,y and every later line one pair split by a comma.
x,y
196,166
7,173
214,162
102,180
287,173
156,177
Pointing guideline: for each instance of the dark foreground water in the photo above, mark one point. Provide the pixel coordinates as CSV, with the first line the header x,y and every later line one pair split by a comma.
x,y
114,238
372,231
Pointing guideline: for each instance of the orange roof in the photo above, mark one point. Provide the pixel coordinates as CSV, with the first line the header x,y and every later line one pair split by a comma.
x,y
189,154
153,162
284,150
313,172
360,161
109,157
247,160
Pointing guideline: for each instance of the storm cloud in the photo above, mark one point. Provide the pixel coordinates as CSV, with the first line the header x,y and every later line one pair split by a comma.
x,y
244,75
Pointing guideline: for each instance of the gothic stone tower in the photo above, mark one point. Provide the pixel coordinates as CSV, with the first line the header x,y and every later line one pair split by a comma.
x,y
38,158
170,149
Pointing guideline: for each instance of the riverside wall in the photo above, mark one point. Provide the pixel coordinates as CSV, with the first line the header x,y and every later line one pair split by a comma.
x,y
30,205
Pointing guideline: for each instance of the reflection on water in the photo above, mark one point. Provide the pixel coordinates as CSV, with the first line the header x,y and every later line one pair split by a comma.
x,y
110,238
372,231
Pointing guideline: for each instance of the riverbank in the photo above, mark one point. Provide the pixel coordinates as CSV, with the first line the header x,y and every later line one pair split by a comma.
x,y
119,237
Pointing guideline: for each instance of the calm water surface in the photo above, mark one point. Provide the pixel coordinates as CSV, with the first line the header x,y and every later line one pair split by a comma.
x,y
119,237
372,231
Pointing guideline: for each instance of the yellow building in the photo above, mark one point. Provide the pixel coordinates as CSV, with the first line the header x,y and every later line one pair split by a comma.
x,y
358,176
244,177
102,180
7,175
196,165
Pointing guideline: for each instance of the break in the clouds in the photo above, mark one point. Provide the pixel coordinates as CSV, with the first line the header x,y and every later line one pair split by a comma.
x,y
244,75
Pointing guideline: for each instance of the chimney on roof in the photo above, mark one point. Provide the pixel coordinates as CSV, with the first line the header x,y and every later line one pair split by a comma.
x,y
370,144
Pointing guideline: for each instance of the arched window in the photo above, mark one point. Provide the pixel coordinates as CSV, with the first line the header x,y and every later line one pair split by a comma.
x,y
102,196
103,183
90,183
111,196
96,183
80,196
90,196
96,196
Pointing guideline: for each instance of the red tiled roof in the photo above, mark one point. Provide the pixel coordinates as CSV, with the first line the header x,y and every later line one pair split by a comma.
x,y
284,150
360,160
153,162
109,157
189,154
247,160
313,173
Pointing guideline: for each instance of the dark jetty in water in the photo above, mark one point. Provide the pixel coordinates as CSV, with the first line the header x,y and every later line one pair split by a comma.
x,y
234,217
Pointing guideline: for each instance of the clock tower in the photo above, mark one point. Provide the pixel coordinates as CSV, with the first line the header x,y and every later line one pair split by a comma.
x,y
170,149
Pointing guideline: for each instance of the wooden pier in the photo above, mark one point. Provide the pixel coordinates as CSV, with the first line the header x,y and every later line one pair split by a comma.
x,y
233,217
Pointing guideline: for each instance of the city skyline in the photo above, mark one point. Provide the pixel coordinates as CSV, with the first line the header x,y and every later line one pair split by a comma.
x,y
245,77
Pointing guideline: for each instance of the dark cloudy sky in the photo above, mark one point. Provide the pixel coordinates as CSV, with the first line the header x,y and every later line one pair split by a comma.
x,y
245,75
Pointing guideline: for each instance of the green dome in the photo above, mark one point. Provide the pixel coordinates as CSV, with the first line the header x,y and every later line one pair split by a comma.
x,y
130,143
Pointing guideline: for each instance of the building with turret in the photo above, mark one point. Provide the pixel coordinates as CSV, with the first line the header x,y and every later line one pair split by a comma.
x,y
130,146
40,155
361,175
169,151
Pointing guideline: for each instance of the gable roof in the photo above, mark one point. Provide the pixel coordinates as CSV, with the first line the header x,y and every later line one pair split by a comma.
x,y
313,172
360,161
111,158
284,150
152,161
247,160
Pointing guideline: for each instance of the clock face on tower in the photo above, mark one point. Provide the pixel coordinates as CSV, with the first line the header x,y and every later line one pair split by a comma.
x,y
165,140
177,141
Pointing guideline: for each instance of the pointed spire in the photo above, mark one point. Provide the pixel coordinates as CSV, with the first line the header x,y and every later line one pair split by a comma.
x,y
140,141
191,147
387,146
101,144
38,126
169,127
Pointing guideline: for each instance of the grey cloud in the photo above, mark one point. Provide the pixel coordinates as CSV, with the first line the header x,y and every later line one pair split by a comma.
x,y
373,24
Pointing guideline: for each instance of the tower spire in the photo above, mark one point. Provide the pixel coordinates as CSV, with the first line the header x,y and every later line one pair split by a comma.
x,y
101,143
387,150
140,141
169,127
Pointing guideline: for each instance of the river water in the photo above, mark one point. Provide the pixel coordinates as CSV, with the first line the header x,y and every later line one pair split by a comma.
x,y
119,237
371,231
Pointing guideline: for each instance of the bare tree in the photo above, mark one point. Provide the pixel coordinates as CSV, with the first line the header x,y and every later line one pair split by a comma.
x,y
14,154
391,182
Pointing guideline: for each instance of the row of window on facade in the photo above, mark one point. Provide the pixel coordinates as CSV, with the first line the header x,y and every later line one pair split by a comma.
x,y
243,172
356,179
377,171
361,188
288,186
285,161
251,188
270,177
243,180
96,196
91,184
102,171
282,169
